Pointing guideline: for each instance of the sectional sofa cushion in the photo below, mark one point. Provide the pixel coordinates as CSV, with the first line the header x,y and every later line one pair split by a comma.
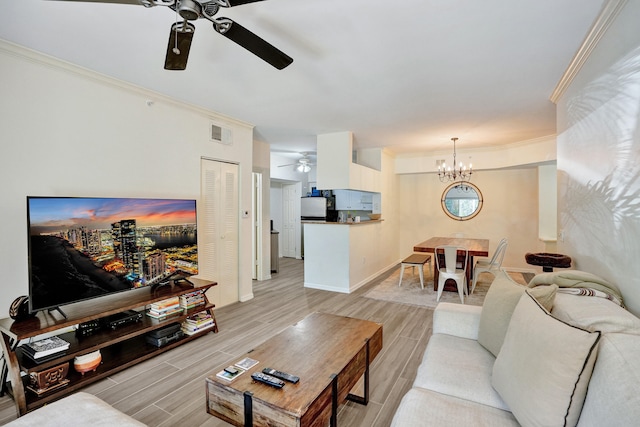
x,y
460,320
613,399
498,306
543,369
420,407
458,367
76,410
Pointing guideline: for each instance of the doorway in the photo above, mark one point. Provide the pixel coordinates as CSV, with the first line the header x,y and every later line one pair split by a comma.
x,y
219,229
290,239
256,229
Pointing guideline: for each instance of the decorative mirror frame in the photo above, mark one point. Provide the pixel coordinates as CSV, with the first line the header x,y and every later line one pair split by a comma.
x,y
458,217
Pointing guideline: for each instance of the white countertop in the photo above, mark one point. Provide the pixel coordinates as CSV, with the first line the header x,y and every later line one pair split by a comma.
x,y
369,221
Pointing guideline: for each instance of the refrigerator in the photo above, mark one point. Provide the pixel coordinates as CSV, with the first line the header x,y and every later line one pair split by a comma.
x,y
313,208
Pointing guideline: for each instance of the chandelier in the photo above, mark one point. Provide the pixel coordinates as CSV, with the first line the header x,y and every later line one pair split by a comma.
x,y
448,173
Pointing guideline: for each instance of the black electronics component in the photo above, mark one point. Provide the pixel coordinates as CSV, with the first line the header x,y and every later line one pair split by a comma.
x,y
282,375
120,319
88,328
267,379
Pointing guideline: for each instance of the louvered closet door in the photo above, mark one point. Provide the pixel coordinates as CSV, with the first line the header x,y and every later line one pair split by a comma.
x,y
218,229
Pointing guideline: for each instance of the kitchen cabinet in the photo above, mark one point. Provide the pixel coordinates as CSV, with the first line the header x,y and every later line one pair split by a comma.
x,y
336,169
353,200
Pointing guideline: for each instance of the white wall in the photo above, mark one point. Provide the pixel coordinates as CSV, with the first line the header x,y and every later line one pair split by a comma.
x,y
70,132
522,153
548,203
599,159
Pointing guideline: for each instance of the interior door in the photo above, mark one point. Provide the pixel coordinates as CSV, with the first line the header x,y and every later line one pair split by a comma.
x,y
256,235
218,230
290,220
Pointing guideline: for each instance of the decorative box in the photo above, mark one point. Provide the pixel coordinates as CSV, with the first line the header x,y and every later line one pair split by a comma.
x,y
49,379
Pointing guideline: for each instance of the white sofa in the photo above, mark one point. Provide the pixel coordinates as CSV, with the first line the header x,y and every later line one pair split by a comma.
x,y
76,410
512,362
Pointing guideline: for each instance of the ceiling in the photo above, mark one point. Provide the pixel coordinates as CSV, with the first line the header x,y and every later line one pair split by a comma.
x,y
407,75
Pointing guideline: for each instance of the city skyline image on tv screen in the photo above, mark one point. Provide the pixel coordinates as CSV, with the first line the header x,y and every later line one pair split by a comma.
x,y
82,248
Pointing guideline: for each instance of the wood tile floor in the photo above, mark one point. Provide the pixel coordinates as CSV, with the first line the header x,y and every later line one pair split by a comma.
x,y
169,390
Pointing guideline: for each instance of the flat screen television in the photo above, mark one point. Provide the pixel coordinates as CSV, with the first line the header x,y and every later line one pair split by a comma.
x,y
87,247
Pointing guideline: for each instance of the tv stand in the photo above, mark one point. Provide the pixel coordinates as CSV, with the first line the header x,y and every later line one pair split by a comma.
x,y
120,348
58,309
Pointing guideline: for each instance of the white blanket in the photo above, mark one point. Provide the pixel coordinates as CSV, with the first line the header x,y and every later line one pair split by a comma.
x,y
579,283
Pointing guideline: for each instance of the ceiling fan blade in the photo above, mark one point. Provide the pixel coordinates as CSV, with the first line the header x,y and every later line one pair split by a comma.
x,y
136,2
254,44
180,39
232,3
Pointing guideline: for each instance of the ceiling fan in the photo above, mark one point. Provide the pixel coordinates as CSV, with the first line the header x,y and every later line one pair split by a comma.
x,y
302,165
182,31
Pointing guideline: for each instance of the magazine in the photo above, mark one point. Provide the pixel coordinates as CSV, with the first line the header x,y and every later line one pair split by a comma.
x,y
246,363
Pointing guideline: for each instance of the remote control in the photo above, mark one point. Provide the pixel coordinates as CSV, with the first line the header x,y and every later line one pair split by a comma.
x,y
281,375
267,379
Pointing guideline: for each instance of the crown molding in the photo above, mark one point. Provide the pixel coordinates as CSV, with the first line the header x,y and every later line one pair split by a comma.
x,y
33,56
604,20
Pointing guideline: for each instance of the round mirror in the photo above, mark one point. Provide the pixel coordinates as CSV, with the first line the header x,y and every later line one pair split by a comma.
x,y
461,201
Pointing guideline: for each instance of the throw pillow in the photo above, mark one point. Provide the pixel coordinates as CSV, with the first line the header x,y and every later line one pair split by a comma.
x,y
499,303
544,366
545,295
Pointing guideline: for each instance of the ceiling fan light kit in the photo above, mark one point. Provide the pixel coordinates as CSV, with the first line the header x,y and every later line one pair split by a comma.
x,y
302,165
182,32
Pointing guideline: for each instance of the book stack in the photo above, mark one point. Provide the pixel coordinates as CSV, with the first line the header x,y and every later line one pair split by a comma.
x,y
192,299
197,323
45,349
165,309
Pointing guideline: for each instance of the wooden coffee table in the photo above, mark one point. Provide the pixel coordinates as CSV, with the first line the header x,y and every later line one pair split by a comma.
x,y
329,353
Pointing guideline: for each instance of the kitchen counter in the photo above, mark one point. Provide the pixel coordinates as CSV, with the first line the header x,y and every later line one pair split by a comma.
x,y
339,258
369,221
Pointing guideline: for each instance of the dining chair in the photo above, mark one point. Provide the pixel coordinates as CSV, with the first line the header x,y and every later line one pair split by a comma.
x,y
491,266
450,269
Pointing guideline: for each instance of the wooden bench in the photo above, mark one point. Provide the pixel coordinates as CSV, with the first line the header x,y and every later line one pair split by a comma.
x,y
416,260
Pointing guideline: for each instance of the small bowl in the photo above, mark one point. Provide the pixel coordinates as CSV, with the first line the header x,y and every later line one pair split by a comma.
x,y
374,216
87,362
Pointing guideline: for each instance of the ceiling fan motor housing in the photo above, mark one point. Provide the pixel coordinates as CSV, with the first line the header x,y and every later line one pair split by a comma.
x,y
189,9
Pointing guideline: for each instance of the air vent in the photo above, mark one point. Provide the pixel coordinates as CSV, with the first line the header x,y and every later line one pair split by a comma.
x,y
221,135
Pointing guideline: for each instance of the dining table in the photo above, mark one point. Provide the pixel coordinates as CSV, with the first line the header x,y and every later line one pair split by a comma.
x,y
475,247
